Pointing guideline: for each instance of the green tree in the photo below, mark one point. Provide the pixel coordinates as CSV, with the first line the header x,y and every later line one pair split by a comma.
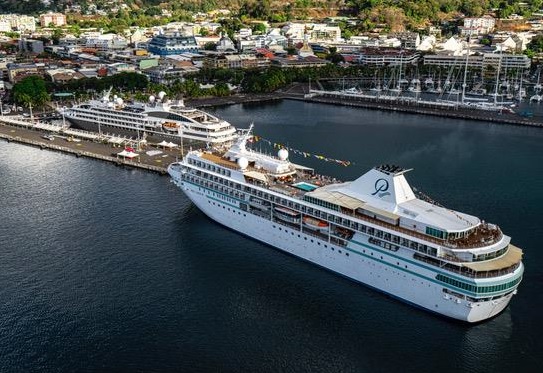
x,y
30,91
259,28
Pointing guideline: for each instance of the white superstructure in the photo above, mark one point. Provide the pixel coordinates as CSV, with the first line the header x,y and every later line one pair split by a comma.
x,y
157,120
373,229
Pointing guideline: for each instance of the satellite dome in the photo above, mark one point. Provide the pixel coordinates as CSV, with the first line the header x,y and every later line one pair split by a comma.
x,y
161,95
243,163
119,101
282,154
151,99
115,97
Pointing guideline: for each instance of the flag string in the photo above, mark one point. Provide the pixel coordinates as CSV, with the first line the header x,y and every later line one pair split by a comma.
x,y
304,154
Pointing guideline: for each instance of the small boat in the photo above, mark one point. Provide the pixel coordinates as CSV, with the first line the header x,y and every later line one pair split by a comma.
x,y
48,137
286,214
170,126
315,224
259,204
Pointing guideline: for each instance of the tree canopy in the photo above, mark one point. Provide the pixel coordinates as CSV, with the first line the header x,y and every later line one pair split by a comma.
x,y
30,91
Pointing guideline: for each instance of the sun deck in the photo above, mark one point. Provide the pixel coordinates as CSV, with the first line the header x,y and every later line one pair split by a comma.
x,y
512,257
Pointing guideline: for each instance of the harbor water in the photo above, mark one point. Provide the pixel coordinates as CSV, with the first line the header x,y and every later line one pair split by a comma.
x,y
111,269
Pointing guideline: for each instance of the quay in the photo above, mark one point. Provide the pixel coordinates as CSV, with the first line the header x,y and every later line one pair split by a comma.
x,y
299,92
407,105
19,131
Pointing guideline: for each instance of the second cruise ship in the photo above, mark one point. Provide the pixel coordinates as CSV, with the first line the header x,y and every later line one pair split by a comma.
x,y
157,120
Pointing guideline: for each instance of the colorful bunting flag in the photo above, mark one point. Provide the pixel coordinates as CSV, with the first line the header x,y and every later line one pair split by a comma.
x,y
304,154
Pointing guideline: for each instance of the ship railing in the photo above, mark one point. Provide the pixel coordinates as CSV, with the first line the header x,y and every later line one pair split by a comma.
x,y
447,243
465,271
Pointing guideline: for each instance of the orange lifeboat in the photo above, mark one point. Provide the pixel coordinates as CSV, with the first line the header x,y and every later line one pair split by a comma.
x,y
315,224
170,126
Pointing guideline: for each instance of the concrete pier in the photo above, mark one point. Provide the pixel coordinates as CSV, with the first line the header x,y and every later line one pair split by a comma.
x,y
90,149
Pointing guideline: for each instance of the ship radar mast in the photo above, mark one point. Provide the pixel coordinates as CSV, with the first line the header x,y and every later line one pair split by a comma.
x,y
245,136
239,147
107,94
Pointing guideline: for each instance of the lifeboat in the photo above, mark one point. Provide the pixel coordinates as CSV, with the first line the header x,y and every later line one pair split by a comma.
x,y
315,224
287,215
170,126
259,204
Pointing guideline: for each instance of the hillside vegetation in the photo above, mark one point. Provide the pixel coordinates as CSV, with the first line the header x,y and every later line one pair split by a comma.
x,y
394,15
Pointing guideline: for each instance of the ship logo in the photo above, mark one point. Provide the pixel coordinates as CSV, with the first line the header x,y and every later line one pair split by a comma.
x,y
381,187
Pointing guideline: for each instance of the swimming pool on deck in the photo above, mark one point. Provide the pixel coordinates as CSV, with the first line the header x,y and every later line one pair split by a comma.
x,y
305,186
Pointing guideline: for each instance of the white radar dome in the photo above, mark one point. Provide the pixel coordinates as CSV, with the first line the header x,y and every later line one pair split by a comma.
x,y
282,154
115,97
119,101
161,95
243,163
151,98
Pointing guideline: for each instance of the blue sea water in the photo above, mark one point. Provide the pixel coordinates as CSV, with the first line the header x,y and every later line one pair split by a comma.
x,y
109,269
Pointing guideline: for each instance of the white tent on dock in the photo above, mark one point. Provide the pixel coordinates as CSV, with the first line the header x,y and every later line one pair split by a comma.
x,y
127,154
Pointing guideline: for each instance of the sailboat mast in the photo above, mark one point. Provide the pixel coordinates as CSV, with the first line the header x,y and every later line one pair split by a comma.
x,y
466,71
497,78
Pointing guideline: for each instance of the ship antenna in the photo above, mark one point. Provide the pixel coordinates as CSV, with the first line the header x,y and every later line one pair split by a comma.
x,y
106,96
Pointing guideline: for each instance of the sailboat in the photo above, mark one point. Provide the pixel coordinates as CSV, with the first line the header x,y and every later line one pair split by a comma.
x,y
537,97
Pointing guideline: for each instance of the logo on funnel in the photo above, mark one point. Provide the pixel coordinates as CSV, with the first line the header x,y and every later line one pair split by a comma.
x,y
381,187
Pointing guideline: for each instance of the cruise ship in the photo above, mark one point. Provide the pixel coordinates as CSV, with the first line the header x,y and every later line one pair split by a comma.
x,y
374,230
157,120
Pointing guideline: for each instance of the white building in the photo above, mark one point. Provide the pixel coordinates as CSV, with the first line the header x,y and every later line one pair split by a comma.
x,y
17,22
452,46
244,32
478,25
106,42
25,23
5,25
428,43
317,32
324,33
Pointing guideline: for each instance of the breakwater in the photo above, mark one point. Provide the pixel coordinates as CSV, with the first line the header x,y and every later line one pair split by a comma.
x,y
409,106
405,105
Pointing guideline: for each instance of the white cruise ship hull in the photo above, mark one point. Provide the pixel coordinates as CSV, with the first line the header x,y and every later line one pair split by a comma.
x,y
151,136
394,273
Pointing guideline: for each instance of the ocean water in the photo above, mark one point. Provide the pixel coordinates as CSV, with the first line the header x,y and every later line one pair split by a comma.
x,y
111,269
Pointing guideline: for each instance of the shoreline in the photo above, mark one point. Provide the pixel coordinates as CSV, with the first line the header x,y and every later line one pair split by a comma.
x,y
296,92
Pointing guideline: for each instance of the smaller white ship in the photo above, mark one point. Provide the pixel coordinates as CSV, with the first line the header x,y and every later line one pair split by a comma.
x,y
158,119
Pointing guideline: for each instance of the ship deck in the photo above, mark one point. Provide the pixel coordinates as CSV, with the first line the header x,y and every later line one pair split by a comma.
x,y
483,235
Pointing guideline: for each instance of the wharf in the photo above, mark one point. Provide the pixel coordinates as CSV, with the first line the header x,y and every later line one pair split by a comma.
x,y
413,107
299,92
89,149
